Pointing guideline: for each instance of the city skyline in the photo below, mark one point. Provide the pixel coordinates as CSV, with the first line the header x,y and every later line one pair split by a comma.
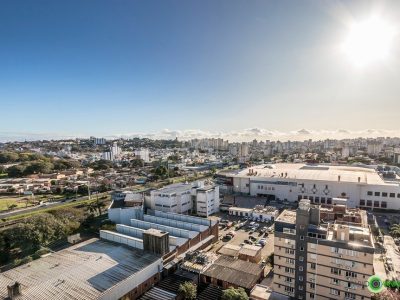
x,y
77,69
245,135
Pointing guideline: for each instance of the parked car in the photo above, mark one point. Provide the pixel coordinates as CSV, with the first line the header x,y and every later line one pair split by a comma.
x,y
227,237
252,238
248,242
262,242
232,233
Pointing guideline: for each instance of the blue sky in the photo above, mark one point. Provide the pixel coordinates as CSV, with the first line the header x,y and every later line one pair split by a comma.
x,y
109,67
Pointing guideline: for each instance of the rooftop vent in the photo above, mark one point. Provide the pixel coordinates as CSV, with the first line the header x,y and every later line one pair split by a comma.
x,y
14,290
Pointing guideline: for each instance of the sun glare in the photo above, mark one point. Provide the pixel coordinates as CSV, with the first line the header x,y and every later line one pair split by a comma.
x,y
368,42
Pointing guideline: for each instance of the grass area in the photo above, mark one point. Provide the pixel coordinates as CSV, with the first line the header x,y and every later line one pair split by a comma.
x,y
5,203
3,175
65,205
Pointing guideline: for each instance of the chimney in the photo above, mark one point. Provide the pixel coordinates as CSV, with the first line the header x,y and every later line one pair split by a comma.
x,y
14,290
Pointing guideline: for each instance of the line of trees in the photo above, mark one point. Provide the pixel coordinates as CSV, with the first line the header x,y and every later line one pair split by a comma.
x,y
38,231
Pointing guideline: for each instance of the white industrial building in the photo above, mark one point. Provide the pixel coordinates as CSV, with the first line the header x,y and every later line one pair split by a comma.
x,y
362,186
125,205
199,197
264,214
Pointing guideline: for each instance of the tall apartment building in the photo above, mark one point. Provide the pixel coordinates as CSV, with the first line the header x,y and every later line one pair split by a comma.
x,y
322,253
143,154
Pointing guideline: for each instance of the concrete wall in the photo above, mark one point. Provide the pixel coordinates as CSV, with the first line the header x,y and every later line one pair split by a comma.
x,y
124,215
172,230
184,218
174,223
121,239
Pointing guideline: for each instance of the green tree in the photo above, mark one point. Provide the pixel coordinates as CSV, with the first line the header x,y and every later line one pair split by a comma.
x,y
83,190
136,163
188,290
270,259
234,294
40,166
16,171
395,230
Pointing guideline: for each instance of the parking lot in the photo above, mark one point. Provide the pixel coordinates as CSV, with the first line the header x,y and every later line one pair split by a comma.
x,y
244,234
389,260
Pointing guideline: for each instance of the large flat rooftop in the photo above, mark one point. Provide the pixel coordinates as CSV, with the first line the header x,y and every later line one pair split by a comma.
x,y
83,271
287,171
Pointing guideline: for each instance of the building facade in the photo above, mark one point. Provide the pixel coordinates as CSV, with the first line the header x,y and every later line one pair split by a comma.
x,y
322,261
362,186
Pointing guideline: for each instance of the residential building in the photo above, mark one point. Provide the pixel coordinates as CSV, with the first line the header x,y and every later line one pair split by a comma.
x,y
143,154
315,259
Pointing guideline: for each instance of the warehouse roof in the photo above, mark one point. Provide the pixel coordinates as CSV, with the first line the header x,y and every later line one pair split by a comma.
x,y
288,171
238,272
83,271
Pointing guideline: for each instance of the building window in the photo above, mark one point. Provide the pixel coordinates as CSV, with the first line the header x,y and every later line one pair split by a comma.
x,y
301,258
289,289
316,199
301,268
384,204
392,195
348,295
335,292
376,203
301,248
313,256
312,296
313,266
362,202
322,200
398,195
335,281
369,193
369,202
377,194
289,251
300,278
311,198
336,271
290,261
302,237
313,246
300,287
384,194
312,285
329,201
351,274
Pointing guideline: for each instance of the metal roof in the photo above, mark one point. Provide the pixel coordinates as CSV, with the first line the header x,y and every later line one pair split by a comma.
x,y
83,271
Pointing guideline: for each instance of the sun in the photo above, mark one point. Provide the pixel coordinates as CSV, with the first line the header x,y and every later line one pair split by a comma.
x,y
368,42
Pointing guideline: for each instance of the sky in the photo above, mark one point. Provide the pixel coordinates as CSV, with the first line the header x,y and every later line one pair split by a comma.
x,y
126,67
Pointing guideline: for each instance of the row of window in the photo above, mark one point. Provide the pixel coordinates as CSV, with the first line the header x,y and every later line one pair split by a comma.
x,y
267,188
375,203
383,194
168,206
316,200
